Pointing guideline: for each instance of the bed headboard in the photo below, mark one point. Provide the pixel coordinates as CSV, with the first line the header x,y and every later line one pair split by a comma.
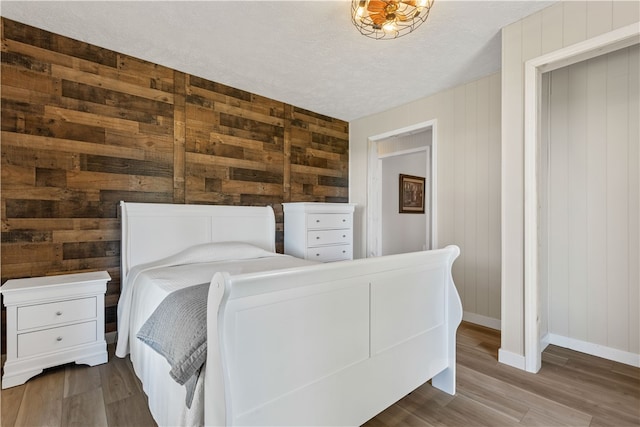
x,y
152,231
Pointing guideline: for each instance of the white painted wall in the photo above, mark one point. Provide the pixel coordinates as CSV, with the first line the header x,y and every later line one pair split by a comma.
x,y
558,26
592,211
402,233
468,180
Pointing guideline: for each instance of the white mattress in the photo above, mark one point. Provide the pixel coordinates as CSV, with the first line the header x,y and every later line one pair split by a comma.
x,y
146,288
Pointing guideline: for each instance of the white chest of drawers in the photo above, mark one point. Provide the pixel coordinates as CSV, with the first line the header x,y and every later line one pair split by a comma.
x,y
53,320
319,231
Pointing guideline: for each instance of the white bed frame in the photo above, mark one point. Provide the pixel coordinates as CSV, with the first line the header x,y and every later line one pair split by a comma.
x,y
327,344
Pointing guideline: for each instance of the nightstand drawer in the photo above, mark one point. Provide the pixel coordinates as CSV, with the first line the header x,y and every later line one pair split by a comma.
x,y
329,220
54,339
330,253
328,237
55,313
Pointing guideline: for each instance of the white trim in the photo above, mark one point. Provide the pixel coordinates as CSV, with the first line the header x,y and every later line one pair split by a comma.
x,y
374,181
479,319
608,353
403,152
511,359
596,46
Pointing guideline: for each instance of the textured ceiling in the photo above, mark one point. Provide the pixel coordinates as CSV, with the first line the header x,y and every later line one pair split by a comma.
x,y
305,53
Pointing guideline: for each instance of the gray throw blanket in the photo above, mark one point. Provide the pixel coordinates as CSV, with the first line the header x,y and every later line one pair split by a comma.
x,y
177,330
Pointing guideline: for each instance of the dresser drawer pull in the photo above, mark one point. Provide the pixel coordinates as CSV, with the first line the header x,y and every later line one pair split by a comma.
x,y
58,313
59,339
317,254
317,220
317,237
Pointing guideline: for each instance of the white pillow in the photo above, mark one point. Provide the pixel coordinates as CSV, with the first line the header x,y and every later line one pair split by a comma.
x,y
218,251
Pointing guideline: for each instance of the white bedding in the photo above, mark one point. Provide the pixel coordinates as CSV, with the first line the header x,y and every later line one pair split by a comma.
x,y
148,285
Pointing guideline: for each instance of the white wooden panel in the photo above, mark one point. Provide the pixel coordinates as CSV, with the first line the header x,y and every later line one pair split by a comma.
x,y
599,17
482,197
577,201
494,198
531,36
617,200
552,18
294,351
446,169
512,185
459,197
195,231
398,307
543,206
634,199
559,208
575,22
596,125
470,191
625,13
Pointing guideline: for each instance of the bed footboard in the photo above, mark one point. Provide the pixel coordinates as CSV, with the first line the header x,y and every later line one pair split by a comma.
x,y
330,344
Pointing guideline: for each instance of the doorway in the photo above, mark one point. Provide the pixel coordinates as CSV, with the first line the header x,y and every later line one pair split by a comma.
x,y
591,48
412,151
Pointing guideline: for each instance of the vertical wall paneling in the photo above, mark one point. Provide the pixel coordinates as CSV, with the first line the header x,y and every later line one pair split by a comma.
x,y
565,24
468,166
596,209
633,160
459,270
493,236
84,127
593,185
470,192
617,201
482,194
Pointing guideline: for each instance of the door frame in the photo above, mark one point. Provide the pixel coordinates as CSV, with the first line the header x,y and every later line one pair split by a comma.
x,y
534,68
374,186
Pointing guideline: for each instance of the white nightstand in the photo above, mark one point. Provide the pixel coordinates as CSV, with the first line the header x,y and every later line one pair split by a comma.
x,y
53,320
319,231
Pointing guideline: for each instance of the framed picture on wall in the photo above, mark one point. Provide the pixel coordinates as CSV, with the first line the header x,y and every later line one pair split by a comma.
x,y
411,194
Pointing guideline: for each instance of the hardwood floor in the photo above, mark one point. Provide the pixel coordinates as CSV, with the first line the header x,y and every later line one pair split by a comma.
x,y
571,389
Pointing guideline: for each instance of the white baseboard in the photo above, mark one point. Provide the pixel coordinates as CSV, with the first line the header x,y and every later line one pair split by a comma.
x,y
481,320
595,350
511,359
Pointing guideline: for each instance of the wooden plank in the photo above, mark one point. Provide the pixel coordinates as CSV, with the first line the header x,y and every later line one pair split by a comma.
x,y
179,138
79,76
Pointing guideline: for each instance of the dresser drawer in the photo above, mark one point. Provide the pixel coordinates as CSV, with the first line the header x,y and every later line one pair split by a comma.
x,y
329,221
328,237
47,340
55,313
330,253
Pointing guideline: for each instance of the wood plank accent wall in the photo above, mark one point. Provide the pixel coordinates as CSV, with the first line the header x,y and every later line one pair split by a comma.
x,y
84,127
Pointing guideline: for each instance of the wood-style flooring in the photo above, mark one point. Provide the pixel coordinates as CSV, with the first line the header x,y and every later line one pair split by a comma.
x,y
571,389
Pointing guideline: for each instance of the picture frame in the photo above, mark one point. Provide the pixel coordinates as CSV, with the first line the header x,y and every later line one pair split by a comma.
x,y
412,193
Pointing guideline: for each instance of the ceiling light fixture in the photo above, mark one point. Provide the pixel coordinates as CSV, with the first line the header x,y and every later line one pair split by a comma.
x,y
389,19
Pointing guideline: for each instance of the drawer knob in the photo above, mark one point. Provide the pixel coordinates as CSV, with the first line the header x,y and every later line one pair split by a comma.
x,y
317,254
58,313
59,339
344,235
344,220
317,237
317,220
344,252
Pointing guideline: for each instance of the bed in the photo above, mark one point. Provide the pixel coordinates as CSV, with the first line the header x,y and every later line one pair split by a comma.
x,y
288,341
